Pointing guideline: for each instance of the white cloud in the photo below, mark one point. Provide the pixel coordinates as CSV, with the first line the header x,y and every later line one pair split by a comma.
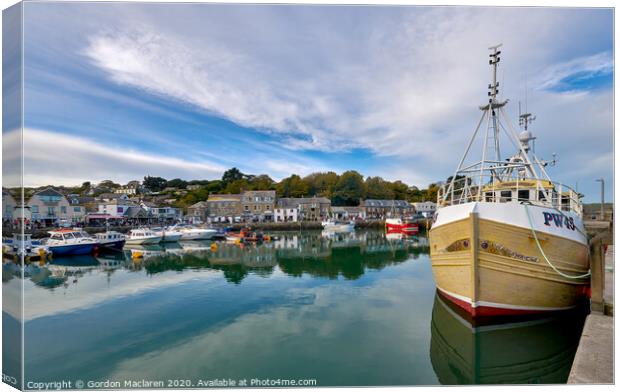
x,y
57,158
412,82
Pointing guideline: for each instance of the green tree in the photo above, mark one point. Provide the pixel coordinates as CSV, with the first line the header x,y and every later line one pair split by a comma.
x,y
177,183
349,189
231,175
292,186
154,184
378,188
237,186
431,193
399,189
322,184
262,182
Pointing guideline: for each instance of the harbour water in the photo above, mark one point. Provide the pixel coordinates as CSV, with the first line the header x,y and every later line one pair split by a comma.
x,y
345,309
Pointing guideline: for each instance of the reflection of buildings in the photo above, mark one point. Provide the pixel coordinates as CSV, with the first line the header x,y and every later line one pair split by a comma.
x,y
525,352
334,255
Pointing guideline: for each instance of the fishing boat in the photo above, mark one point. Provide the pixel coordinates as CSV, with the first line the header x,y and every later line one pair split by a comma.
x,y
111,240
142,236
70,242
405,225
338,227
506,239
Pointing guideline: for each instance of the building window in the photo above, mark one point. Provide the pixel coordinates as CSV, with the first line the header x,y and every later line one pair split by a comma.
x,y
51,211
63,209
35,209
76,209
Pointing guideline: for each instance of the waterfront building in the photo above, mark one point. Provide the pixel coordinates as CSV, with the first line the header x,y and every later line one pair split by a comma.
x,y
8,205
115,208
287,210
166,214
348,213
381,209
426,208
50,207
258,205
294,209
197,213
224,207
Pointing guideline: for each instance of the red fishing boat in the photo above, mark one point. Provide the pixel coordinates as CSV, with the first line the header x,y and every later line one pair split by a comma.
x,y
403,225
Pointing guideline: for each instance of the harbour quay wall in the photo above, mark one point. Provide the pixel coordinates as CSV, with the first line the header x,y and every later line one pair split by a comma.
x,y
263,226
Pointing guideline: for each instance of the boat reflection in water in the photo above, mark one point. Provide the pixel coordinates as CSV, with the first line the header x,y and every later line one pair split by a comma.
x,y
529,351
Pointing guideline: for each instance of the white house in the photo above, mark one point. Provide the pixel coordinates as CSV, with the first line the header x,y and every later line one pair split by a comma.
x,y
115,208
287,210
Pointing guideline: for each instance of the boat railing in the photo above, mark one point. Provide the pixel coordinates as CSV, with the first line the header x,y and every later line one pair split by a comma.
x,y
491,188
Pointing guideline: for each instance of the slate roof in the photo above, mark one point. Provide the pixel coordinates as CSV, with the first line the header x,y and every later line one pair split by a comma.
x,y
386,203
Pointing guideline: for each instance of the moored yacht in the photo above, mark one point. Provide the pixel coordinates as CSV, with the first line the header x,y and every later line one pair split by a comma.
x,y
506,239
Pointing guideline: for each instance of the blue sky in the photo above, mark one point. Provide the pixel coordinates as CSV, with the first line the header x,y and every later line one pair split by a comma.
x,y
189,90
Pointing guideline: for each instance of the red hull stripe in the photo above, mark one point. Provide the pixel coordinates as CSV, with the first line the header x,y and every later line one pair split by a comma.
x,y
483,310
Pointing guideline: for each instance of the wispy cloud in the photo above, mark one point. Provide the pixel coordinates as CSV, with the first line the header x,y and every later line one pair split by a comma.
x,y
56,158
571,74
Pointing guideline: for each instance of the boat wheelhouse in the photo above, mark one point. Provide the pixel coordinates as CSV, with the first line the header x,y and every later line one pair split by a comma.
x,y
506,239
142,236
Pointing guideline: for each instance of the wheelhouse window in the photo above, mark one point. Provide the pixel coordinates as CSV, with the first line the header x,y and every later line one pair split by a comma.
x,y
524,194
505,196
489,196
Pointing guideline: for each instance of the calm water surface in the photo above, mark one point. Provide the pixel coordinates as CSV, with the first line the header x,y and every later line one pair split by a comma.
x,y
345,309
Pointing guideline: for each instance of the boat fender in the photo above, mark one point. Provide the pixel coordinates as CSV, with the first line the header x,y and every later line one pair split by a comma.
x,y
214,247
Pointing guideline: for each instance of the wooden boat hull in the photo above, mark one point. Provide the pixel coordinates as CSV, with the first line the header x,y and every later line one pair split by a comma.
x,y
491,267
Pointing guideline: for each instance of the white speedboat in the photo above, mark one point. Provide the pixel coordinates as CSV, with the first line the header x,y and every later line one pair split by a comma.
x,y
337,227
142,236
189,233
168,235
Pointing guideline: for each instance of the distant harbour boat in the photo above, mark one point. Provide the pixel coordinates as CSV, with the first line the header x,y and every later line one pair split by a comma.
x,y
111,240
190,233
337,227
142,236
402,225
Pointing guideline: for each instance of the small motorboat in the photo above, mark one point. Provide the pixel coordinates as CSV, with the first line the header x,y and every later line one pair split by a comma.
x,y
142,236
23,245
70,242
111,240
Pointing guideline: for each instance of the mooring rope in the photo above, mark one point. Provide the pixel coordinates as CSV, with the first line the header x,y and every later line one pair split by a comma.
x,y
527,211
